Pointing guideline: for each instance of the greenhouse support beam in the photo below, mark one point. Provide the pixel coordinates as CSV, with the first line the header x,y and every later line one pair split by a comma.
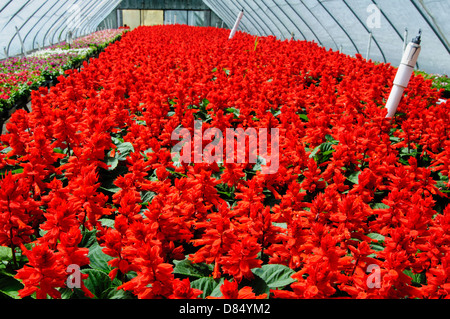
x,y
24,51
307,25
369,45
253,17
294,24
405,41
364,26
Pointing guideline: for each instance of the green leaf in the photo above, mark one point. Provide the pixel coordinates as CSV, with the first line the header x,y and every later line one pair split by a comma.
x,y
58,150
113,293
5,253
107,222
282,225
256,44
10,286
379,238
112,163
354,177
258,285
259,161
147,196
331,139
207,285
304,117
417,279
275,112
98,259
6,150
97,282
235,112
394,139
379,206
89,238
187,268
376,236
314,152
275,276
216,291
124,149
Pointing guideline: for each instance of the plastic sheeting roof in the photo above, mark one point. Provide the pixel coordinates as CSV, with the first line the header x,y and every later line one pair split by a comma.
x,y
347,25
344,25
38,23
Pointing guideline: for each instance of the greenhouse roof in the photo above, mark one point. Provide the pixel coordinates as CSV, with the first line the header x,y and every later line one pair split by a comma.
x,y
376,29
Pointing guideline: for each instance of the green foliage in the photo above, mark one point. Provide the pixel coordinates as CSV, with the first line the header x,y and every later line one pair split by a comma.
x,y
438,81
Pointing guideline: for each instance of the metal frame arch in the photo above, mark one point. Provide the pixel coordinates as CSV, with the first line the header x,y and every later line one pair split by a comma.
x,y
274,15
262,20
364,26
15,14
388,20
250,16
307,25
57,24
433,27
85,16
289,18
23,24
64,27
50,16
45,15
5,5
320,23
102,15
224,14
339,25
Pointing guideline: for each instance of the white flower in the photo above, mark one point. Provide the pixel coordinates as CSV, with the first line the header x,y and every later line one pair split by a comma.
x,y
46,52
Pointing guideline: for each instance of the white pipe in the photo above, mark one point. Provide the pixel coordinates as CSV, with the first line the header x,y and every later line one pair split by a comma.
x,y
405,36
21,42
369,45
403,75
236,24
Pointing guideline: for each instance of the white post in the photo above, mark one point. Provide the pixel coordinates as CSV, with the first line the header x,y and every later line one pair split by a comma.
x,y
236,24
405,41
6,52
174,19
369,45
403,75
21,42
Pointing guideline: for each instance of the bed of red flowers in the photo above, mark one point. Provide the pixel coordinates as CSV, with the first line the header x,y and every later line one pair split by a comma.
x,y
358,207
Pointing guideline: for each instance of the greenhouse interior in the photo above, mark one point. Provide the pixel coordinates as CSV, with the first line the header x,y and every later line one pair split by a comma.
x,y
224,149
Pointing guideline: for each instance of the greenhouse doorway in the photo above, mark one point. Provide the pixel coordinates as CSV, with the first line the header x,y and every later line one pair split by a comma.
x,y
135,18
